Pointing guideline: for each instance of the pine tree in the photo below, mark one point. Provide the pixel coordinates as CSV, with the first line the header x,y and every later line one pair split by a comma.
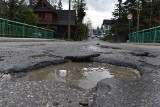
x,y
12,9
59,6
147,11
81,29
32,3
20,11
2,8
81,11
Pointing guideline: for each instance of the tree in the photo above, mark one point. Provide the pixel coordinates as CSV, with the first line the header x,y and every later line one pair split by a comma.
x,y
2,8
32,3
120,7
53,2
80,7
59,6
12,9
75,4
81,11
120,19
81,28
89,23
25,15
146,13
19,11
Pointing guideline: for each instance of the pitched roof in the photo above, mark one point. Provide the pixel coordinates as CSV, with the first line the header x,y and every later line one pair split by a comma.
x,y
62,17
107,22
48,8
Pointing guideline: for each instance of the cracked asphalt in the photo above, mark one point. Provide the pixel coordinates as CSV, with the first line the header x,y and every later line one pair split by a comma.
x,y
16,57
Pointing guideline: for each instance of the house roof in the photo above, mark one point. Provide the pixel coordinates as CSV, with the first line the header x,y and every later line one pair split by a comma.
x,y
107,22
48,8
62,17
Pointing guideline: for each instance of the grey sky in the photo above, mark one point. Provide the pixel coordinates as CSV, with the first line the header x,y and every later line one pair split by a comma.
x,y
97,10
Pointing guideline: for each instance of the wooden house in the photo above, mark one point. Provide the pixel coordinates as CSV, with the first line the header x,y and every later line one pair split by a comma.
x,y
49,17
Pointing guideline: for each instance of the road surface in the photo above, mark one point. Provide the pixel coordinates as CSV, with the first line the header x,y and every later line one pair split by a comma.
x,y
18,57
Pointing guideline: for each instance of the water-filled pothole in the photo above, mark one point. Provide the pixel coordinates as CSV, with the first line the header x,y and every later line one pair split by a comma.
x,y
85,75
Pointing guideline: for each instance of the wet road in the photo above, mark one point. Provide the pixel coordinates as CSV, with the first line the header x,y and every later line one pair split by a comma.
x,y
26,56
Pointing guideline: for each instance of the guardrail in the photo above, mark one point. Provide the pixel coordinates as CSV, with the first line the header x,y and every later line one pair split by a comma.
x,y
151,35
9,28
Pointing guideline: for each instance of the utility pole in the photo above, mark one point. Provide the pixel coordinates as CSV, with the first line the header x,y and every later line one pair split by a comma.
x,y
69,20
138,14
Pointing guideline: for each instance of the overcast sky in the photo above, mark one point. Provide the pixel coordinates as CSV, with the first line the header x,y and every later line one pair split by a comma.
x,y
97,10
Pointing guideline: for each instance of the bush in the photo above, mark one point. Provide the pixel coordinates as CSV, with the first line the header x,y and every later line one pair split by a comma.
x,y
104,38
71,40
82,30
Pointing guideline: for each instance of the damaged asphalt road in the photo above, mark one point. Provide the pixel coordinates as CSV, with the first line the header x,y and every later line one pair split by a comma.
x,y
26,56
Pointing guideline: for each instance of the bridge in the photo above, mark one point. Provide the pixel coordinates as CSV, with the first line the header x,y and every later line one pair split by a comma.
x,y
9,28
151,35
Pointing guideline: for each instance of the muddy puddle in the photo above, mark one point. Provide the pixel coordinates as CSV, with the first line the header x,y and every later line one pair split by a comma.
x,y
85,75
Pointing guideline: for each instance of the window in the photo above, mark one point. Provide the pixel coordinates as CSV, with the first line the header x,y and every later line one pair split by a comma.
x,y
41,15
44,5
41,4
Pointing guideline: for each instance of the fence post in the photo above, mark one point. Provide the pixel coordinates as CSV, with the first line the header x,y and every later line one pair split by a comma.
x,y
36,32
155,35
143,37
23,31
137,34
10,32
3,28
45,34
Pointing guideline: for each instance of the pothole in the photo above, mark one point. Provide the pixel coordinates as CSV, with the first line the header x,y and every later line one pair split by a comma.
x,y
143,54
85,75
110,47
84,58
1,58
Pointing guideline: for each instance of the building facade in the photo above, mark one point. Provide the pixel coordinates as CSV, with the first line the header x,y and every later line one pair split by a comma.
x,y
48,16
106,25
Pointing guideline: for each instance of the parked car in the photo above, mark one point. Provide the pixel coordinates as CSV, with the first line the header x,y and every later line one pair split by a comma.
x,y
92,36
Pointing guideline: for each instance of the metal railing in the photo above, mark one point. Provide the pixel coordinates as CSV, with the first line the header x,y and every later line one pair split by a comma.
x,y
9,28
151,35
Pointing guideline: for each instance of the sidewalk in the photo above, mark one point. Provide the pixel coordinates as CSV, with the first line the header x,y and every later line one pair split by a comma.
x,y
9,39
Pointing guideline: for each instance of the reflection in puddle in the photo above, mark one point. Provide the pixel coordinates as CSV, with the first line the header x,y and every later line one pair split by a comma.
x,y
94,48
85,75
